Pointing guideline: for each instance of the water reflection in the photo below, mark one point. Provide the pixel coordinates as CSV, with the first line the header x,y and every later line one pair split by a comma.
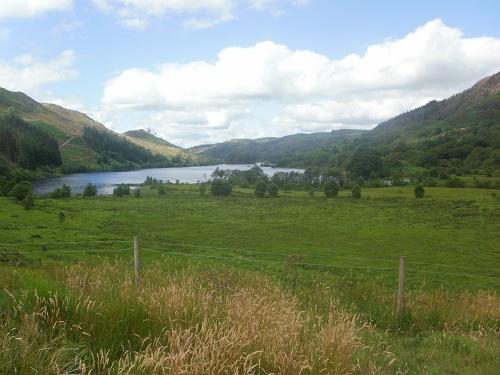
x,y
107,181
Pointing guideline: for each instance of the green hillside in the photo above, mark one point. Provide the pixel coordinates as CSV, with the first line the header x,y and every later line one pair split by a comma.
x,y
157,145
455,136
271,150
81,153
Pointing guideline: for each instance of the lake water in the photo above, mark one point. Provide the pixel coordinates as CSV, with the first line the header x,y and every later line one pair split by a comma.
x,y
107,181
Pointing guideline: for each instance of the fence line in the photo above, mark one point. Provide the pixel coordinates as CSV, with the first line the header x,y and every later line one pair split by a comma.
x,y
267,253
454,274
311,255
61,243
458,266
303,264
65,251
265,261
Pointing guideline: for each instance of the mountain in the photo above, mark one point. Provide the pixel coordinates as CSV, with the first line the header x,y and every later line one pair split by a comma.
x,y
156,145
470,108
271,150
454,136
81,149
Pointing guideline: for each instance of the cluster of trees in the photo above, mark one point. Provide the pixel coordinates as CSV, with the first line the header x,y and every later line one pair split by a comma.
x,y
117,149
25,145
113,146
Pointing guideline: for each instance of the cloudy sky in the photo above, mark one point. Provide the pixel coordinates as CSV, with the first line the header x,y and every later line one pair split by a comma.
x,y
206,71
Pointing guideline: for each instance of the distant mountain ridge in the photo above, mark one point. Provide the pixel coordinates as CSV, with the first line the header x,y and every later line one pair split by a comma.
x,y
271,150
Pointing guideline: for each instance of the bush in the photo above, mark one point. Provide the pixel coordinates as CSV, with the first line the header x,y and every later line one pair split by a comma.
x,y
62,192
28,202
454,183
260,189
21,190
121,190
90,190
273,190
221,187
162,190
419,191
331,189
356,191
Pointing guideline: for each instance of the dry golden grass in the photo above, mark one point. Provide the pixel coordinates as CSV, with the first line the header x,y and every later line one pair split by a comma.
x,y
194,321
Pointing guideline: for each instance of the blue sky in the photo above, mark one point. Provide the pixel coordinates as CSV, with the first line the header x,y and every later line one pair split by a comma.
x,y
205,71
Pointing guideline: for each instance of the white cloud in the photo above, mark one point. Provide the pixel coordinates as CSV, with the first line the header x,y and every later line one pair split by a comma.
x,y
32,8
134,23
202,14
27,74
302,90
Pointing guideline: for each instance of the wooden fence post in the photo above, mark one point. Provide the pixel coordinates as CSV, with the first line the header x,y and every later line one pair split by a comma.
x,y
401,287
137,262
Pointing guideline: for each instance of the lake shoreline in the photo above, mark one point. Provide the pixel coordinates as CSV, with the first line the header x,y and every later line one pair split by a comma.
x,y
107,181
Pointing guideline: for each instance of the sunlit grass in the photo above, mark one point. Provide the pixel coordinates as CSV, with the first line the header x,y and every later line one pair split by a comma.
x,y
241,308
187,321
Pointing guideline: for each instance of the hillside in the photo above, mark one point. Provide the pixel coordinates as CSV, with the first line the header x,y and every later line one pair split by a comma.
x,y
271,150
456,136
79,154
156,145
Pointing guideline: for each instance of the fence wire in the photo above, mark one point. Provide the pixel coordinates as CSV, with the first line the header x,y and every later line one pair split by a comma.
x,y
54,250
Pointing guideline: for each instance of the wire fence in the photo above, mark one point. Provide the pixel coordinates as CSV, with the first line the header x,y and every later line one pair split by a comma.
x,y
22,253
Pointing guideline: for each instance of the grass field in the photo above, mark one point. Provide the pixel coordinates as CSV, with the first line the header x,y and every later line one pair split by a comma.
x,y
325,268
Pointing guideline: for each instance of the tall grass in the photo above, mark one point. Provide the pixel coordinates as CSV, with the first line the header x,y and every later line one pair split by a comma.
x,y
182,322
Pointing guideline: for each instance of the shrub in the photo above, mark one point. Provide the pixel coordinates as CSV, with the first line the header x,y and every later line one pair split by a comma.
x,y
454,183
419,191
221,187
121,190
273,190
28,202
90,190
62,192
21,190
331,188
260,189
162,190
356,191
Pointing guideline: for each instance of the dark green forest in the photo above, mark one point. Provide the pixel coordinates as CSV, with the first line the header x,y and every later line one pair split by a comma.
x,y
26,145
118,148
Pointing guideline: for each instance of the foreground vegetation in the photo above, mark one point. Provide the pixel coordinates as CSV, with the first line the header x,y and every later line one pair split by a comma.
x,y
293,284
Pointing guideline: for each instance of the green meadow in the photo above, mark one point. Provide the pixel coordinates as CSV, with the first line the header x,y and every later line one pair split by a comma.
x,y
324,271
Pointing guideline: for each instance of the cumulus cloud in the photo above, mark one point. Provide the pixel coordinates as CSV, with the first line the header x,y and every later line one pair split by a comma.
x,y
32,8
201,14
303,90
27,74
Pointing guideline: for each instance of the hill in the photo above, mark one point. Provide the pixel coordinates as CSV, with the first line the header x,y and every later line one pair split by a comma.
x,y
456,136
155,144
78,152
271,150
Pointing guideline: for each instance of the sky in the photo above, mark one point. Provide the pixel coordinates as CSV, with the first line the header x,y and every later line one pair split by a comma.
x,y
207,71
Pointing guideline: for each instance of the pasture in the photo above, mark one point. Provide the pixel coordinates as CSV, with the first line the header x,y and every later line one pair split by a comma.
x,y
334,259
